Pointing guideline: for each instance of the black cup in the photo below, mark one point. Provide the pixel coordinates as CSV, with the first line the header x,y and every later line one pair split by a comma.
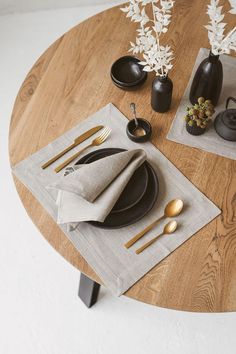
x,y
142,123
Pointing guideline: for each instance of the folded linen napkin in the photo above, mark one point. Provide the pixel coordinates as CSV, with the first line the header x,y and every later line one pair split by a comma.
x,y
90,191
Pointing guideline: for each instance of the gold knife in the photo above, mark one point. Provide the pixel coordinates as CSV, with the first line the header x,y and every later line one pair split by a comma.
x,y
76,142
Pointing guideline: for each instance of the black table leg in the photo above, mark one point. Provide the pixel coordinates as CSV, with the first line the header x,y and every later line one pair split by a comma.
x,y
88,290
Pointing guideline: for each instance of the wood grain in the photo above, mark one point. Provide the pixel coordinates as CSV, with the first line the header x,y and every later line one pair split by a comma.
x,y
69,82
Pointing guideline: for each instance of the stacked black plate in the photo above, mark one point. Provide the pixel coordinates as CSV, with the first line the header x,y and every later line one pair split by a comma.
x,y
136,200
127,73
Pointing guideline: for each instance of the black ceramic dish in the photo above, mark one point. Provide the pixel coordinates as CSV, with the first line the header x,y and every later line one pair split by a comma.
x,y
127,88
136,212
142,123
135,188
127,73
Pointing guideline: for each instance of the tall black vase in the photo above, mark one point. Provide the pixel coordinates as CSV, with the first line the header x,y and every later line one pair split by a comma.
x,y
162,88
208,80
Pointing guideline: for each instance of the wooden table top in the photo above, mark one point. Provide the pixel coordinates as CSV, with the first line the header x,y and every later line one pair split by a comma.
x,y
69,82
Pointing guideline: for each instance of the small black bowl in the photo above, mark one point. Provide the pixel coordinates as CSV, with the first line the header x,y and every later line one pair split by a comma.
x,y
194,129
127,73
142,123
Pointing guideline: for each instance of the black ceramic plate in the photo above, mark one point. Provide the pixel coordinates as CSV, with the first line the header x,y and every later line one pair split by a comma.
x,y
135,188
136,212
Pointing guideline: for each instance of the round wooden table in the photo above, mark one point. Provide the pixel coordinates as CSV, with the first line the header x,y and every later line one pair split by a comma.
x,y
69,82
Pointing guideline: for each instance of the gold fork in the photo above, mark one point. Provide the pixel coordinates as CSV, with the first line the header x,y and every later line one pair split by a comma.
x,y
98,141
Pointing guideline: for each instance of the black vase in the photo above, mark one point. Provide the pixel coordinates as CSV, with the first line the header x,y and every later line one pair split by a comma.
x,y
162,88
208,80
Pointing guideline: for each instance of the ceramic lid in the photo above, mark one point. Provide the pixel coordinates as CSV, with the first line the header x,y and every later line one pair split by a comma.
x,y
229,118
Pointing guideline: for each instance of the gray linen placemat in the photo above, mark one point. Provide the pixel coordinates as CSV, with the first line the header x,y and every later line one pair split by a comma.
x,y
210,141
118,267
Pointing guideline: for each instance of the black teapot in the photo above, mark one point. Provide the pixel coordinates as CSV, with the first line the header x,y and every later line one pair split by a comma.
x,y
225,122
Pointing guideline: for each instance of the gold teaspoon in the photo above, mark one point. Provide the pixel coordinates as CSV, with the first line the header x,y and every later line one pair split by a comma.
x,y
169,228
172,209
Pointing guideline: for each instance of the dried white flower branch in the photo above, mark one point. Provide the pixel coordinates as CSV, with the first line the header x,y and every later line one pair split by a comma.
x,y
220,43
156,57
233,6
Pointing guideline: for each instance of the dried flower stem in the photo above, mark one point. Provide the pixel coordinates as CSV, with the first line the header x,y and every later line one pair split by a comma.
x,y
157,38
220,44
229,34
156,57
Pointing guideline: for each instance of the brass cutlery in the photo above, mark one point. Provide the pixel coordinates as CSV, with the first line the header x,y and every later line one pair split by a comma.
x,y
169,228
172,209
76,142
98,141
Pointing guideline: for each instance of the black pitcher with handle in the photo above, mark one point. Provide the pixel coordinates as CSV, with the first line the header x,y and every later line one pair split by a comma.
x,y
225,122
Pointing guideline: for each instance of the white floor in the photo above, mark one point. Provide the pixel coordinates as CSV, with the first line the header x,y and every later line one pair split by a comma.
x,y
39,309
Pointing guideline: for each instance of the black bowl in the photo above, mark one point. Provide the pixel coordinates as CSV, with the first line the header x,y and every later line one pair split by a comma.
x,y
127,88
126,72
194,129
142,123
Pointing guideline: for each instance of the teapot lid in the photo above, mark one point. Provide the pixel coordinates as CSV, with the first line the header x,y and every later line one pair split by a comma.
x,y
228,118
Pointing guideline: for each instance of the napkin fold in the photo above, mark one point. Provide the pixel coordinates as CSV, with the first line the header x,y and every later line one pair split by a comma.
x,y
91,190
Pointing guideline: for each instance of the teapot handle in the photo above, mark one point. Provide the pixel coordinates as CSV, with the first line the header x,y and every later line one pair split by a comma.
x,y
230,99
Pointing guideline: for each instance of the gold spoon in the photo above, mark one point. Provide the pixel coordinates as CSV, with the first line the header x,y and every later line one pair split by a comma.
x,y
168,229
138,131
172,209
